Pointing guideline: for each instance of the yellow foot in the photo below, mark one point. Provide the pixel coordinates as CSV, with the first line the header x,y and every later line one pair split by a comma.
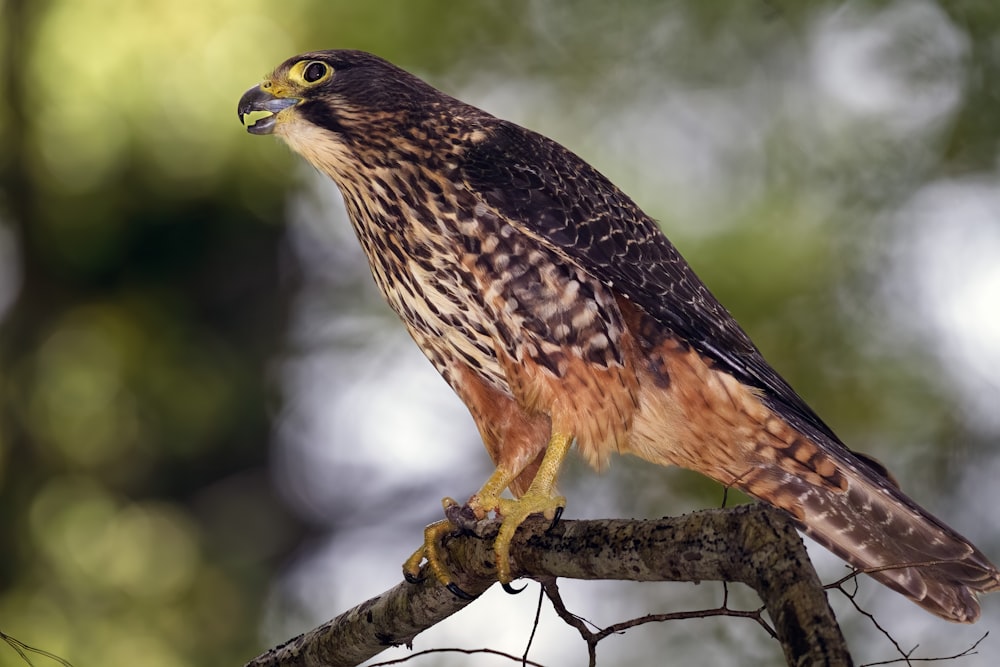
x,y
512,514
430,550
540,498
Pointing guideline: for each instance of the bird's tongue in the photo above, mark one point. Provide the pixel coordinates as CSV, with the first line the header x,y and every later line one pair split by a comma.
x,y
259,100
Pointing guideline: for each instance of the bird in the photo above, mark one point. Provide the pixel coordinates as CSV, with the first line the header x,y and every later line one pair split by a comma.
x,y
561,315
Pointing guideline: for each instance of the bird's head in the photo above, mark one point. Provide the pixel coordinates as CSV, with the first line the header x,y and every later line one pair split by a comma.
x,y
324,103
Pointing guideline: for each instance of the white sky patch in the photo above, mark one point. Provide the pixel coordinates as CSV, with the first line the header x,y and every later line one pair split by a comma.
x,y
902,64
376,419
950,261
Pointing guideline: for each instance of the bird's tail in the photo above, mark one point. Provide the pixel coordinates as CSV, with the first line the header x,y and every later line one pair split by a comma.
x,y
857,512
698,417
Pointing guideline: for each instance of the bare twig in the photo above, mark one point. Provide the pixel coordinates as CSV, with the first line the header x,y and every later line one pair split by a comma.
x,y
852,596
465,651
534,625
908,659
23,650
592,638
904,656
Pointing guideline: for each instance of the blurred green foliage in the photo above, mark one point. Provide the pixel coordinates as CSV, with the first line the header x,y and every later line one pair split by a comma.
x,y
139,522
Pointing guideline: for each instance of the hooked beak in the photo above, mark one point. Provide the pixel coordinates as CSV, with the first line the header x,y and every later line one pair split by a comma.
x,y
258,99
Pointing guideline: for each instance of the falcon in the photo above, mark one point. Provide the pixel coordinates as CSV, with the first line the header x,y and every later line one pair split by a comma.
x,y
560,314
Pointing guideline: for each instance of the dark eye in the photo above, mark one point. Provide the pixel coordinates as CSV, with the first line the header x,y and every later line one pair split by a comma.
x,y
315,71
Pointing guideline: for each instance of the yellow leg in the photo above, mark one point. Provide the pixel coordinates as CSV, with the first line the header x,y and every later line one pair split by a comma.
x,y
538,499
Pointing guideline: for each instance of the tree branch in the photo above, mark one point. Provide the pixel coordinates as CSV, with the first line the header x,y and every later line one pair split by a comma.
x,y
752,544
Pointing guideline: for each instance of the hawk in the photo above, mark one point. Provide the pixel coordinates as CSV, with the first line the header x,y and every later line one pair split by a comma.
x,y
560,313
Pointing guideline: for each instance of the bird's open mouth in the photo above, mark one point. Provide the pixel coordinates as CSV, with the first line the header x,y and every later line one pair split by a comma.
x,y
259,100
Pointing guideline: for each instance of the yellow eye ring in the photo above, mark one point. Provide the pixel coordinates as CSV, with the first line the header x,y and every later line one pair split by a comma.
x,y
312,72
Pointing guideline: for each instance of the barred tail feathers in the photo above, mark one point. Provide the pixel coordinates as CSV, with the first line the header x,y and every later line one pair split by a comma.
x,y
871,524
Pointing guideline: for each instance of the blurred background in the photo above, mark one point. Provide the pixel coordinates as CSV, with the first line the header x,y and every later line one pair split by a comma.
x,y
213,433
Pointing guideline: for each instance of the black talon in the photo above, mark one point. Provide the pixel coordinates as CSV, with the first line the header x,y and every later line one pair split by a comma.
x,y
513,591
411,578
458,592
555,519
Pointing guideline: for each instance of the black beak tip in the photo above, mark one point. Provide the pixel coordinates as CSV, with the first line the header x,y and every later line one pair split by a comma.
x,y
258,99
246,104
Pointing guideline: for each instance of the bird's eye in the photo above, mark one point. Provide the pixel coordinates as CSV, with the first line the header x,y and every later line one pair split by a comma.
x,y
315,71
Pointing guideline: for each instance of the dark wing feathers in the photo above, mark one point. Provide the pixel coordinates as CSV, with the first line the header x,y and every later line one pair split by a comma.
x,y
551,195
554,196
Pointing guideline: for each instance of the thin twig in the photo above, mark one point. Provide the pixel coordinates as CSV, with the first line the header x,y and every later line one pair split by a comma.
x,y
23,649
534,625
465,651
551,589
904,656
967,652
871,617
